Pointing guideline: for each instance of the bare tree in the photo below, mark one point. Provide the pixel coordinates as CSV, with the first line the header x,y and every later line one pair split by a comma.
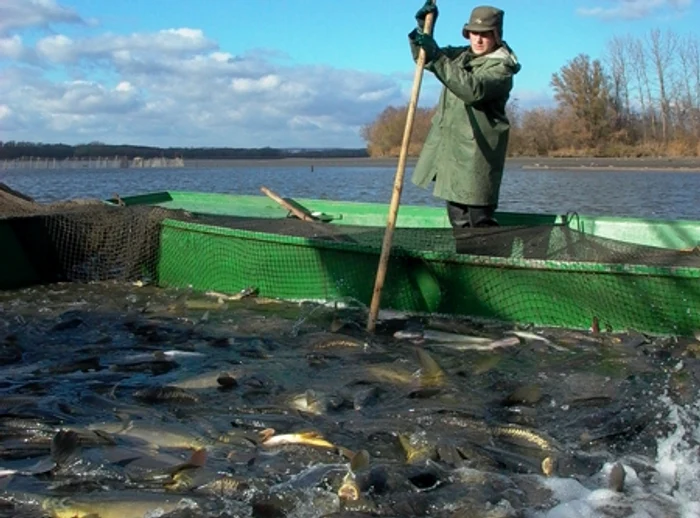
x,y
689,56
619,67
662,52
639,64
384,136
582,88
538,132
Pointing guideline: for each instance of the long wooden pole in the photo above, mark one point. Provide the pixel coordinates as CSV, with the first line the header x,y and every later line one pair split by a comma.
x,y
398,183
299,214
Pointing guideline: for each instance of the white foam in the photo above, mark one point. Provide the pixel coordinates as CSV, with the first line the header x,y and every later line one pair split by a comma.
x,y
673,491
678,457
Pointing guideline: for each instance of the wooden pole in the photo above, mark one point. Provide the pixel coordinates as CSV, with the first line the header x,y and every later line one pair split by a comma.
x,y
299,214
398,184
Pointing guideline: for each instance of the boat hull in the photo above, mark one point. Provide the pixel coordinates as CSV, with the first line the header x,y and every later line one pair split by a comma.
x,y
425,274
544,293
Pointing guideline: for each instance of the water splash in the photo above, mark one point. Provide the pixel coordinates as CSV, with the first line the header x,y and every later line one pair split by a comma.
x,y
672,490
678,457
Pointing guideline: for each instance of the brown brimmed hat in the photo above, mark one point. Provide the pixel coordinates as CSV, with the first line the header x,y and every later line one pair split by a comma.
x,y
484,18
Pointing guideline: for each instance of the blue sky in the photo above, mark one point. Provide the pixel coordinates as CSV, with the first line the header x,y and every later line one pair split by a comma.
x,y
265,72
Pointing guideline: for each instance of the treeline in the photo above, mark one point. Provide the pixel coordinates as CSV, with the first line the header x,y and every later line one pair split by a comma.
x,y
641,99
17,150
384,136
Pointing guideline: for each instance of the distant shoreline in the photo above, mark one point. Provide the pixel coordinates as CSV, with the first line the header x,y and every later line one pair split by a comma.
x,y
689,164
653,164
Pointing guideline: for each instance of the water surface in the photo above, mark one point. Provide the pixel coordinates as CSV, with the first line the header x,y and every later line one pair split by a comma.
x,y
113,393
643,193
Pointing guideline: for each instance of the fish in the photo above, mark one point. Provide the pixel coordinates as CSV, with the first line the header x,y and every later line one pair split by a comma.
x,y
165,393
390,373
317,403
616,477
366,397
156,366
180,475
226,381
64,445
206,305
310,438
441,336
264,421
416,447
316,475
490,346
520,463
526,436
325,341
163,355
250,291
267,300
525,335
159,436
350,488
121,504
206,380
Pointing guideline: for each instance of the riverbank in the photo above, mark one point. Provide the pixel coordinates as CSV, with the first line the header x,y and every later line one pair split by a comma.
x,y
690,164
683,164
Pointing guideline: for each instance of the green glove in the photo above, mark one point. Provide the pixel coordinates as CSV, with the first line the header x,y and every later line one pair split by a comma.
x,y
427,43
428,7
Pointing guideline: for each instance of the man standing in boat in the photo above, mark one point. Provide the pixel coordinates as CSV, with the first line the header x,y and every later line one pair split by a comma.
x,y
465,151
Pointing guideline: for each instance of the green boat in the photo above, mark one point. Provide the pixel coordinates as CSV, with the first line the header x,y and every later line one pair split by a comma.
x,y
567,270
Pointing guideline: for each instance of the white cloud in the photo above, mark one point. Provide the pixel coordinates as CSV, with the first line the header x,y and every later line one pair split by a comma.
x,y
5,111
124,86
21,14
11,47
173,87
60,49
635,9
263,84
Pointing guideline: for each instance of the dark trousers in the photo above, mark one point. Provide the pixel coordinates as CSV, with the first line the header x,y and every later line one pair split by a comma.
x,y
471,216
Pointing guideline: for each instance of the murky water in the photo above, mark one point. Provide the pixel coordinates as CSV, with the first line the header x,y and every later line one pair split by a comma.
x,y
644,193
119,400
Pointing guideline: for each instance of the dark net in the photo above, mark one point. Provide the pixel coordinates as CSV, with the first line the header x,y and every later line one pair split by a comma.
x,y
89,240
84,240
543,242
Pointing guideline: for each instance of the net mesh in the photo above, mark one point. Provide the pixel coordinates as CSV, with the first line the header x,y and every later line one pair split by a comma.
x,y
83,240
542,242
88,240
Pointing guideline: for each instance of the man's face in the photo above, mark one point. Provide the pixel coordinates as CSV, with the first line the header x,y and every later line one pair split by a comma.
x,y
482,42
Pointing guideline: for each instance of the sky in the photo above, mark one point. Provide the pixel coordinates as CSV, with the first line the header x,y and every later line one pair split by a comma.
x,y
256,73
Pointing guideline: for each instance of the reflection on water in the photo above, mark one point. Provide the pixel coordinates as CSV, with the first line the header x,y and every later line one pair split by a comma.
x,y
626,193
118,400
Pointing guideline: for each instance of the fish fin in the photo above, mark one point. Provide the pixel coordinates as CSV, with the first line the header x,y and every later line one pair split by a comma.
x,y
266,434
311,435
345,452
198,457
64,444
359,461
310,396
431,374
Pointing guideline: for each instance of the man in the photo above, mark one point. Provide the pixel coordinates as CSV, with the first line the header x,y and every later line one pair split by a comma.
x,y
465,151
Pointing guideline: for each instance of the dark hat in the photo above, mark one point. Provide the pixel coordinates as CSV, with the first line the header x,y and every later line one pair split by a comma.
x,y
485,18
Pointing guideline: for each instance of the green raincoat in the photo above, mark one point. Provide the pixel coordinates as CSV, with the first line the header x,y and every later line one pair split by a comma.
x,y
465,150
